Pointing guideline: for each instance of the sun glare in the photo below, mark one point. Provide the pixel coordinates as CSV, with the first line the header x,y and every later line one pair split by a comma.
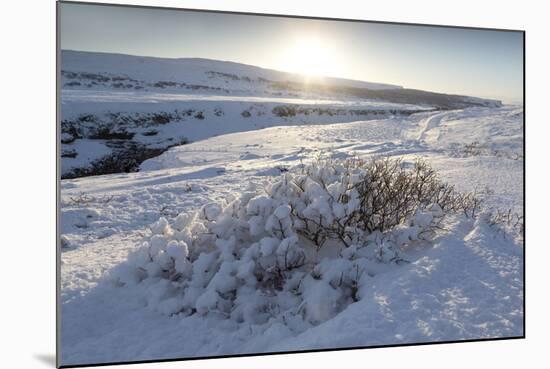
x,y
309,56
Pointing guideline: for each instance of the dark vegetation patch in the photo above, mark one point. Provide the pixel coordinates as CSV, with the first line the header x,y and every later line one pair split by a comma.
x,y
125,158
72,84
118,130
161,118
478,149
122,85
150,133
67,139
233,77
119,125
106,133
69,154
294,110
401,96
77,79
164,84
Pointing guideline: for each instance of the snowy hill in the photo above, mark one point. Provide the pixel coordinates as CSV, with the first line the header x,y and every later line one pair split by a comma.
x,y
119,72
192,71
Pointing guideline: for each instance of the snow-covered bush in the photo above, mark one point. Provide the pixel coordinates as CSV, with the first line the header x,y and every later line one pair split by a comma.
x,y
301,248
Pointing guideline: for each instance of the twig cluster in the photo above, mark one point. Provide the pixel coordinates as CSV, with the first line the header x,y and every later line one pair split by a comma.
x,y
84,199
387,193
508,219
477,149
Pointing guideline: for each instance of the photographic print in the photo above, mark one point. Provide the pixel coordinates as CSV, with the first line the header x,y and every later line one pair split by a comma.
x,y
240,184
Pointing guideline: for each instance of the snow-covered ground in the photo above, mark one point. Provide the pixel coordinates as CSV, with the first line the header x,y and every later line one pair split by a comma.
x,y
467,284
160,120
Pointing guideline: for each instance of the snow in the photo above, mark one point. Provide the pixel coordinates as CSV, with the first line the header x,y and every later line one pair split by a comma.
x,y
190,70
465,283
221,115
74,96
456,290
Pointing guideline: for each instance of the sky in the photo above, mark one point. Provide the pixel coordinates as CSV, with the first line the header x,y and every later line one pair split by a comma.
x,y
479,63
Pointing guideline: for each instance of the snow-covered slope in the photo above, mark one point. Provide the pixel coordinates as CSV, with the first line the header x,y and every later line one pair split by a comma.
x,y
466,284
192,71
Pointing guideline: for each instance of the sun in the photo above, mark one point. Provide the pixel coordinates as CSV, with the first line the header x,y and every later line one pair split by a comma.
x,y
309,56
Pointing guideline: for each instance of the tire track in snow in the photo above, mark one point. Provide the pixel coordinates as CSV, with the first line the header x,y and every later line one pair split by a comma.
x,y
430,123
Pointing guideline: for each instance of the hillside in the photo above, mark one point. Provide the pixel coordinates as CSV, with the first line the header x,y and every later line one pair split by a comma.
x,y
144,72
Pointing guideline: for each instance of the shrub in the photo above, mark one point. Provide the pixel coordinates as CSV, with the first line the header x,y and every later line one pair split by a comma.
x,y
72,83
508,222
284,111
160,118
67,138
109,132
69,153
302,247
151,132
477,149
